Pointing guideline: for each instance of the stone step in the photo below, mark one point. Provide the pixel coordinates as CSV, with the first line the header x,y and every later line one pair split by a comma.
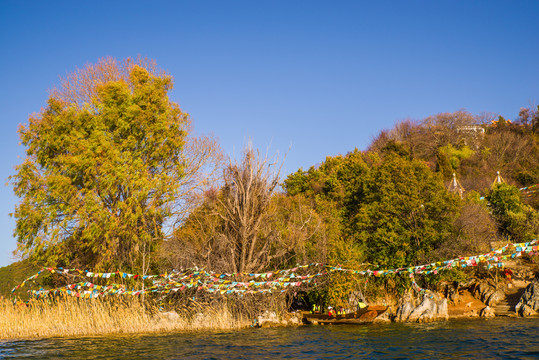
x,y
511,299
507,314
510,303
504,311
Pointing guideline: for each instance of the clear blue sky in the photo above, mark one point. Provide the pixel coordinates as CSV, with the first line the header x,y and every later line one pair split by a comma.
x,y
322,77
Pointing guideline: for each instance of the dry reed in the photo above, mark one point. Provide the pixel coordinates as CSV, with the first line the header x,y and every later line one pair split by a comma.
x,y
77,317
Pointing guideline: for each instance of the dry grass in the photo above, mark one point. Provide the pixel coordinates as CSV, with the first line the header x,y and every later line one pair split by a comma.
x,y
76,317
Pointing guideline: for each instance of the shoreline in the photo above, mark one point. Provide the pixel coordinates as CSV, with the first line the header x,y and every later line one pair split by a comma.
x,y
109,318
480,297
173,330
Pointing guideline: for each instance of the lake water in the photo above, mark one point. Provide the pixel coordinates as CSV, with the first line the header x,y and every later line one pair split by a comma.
x,y
500,338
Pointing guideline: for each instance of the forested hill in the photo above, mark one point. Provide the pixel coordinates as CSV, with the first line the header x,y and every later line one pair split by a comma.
x,y
390,206
473,147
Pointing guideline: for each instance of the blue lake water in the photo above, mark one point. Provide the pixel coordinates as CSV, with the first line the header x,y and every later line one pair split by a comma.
x,y
500,338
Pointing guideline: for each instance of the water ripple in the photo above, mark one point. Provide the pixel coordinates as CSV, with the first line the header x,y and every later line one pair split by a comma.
x,y
502,338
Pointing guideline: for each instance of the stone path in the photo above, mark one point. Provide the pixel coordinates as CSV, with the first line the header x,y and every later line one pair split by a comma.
x,y
506,307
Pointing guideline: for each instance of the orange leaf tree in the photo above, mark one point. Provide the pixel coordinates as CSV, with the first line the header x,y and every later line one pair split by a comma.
x,y
103,169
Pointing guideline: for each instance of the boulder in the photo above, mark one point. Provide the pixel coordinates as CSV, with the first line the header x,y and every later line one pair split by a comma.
x,y
386,316
526,311
529,301
293,318
487,312
495,297
451,291
482,290
442,309
488,293
405,308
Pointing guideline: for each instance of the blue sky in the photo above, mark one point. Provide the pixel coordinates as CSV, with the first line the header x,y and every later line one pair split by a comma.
x,y
318,77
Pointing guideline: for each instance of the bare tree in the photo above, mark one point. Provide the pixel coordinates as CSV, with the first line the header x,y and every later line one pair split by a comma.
x,y
246,195
473,231
246,225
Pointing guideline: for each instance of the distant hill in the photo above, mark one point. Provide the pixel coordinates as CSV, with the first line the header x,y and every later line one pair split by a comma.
x,y
14,274
473,147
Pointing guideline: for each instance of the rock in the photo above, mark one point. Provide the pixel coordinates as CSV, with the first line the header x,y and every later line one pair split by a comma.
x,y
529,301
526,311
405,308
488,293
269,318
452,293
431,308
425,311
168,316
487,312
495,297
442,310
482,290
294,318
386,316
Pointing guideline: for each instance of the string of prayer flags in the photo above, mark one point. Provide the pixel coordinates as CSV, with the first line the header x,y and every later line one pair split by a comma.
x,y
268,282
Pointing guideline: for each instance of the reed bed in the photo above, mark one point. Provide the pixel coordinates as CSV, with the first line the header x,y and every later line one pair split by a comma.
x,y
67,316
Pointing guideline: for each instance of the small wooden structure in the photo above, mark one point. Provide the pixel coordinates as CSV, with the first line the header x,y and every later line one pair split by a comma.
x,y
362,316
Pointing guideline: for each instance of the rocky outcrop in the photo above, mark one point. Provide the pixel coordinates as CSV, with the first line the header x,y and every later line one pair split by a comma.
x,y
488,293
482,290
405,307
528,304
432,307
293,318
386,316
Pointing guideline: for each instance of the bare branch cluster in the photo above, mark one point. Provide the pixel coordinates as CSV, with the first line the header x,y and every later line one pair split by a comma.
x,y
248,188
80,86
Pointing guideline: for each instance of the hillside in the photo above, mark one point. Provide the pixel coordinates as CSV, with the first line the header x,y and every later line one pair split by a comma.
x,y
473,147
14,274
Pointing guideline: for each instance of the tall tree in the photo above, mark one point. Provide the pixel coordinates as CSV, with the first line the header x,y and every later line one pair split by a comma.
x,y
246,195
103,169
336,191
516,220
406,213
